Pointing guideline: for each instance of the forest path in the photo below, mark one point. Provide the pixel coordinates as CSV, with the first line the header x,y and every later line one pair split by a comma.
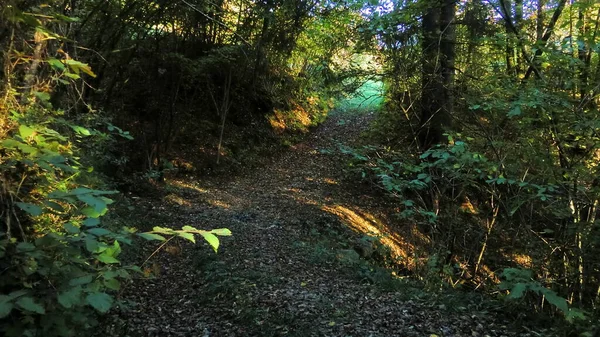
x,y
289,268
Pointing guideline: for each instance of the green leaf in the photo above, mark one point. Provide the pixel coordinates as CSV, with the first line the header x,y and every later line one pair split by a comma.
x,y
100,301
187,236
515,111
81,280
518,291
28,303
212,240
221,232
54,206
163,230
71,229
25,131
77,67
90,212
98,204
99,231
106,258
56,64
42,96
81,130
66,18
33,210
91,222
91,244
5,305
25,247
575,314
112,284
557,301
115,250
151,236
72,76
70,297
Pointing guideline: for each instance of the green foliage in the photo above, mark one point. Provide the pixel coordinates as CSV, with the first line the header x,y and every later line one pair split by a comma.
x,y
60,263
520,281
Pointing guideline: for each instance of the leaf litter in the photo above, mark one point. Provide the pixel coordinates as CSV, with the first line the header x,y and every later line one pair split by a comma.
x,y
279,274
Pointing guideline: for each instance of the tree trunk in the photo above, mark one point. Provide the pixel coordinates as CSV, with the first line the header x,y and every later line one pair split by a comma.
x,y
437,79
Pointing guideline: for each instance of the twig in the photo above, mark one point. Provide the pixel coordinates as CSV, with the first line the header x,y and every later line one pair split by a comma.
x,y
157,250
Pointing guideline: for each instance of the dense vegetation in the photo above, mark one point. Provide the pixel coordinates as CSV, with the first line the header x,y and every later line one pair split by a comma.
x,y
487,140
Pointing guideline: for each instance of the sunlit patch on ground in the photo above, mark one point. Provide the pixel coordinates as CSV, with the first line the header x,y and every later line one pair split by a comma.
x,y
181,184
178,200
367,224
330,181
219,203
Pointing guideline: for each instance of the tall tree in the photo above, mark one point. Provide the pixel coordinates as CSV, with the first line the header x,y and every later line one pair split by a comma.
x,y
437,61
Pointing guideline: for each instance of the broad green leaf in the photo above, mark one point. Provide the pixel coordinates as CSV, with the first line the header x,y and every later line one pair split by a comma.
x,y
25,131
105,258
72,76
163,230
575,314
187,236
112,284
5,306
91,244
81,130
100,301
91,222
77,67
151,236
42,96
56,64
115,250
70,297
33,210
189,228
10,143
81,280
71,229
518,290
221,231
557,301
25,247
83,190
212,240
99,231
93,201
90,212
515,111
28,303
53,205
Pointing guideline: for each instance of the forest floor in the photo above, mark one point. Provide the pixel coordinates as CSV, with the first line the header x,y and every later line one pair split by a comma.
x,y
291,267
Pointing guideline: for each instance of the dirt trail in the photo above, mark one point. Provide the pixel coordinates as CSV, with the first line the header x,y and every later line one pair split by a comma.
x,y
289,269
